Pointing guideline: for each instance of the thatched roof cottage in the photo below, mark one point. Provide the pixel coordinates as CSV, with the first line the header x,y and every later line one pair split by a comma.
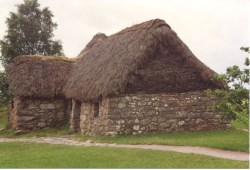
x,y
37,83
142,79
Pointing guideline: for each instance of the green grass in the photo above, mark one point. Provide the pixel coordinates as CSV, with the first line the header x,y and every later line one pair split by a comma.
x,y
3,117
239,125
58,131
231,139
30,155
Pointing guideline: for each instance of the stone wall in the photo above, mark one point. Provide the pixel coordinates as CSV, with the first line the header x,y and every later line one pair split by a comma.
x,y
147,113
91,125
30,114
75,116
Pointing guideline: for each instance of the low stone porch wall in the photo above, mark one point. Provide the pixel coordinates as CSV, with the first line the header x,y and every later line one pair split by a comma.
x,y
31,114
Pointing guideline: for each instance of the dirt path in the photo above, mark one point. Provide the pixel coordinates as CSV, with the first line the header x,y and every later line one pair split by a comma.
x,y
233,155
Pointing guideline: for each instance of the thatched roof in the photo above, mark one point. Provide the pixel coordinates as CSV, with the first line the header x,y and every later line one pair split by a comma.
x,y
38,76
95,40
110,65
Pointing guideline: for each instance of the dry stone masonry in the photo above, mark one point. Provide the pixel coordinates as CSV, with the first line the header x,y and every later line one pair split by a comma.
x,y
147,113
75,116
30,114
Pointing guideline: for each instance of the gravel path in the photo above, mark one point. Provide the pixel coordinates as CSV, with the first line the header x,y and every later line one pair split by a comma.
x,y
233,155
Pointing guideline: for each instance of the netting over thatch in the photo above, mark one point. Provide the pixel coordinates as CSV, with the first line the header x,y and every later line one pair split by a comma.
x,y
110,65
38,76
95,40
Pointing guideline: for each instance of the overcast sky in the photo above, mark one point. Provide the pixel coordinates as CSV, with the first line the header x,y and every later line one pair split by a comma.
x,y
214,30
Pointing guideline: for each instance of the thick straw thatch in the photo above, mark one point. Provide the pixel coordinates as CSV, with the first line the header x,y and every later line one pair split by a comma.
x,y
37,76
110,65
95,40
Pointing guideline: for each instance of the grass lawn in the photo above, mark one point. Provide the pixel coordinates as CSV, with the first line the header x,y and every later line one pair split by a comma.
x,y
231,139
58,131
239,125
29,155
3,117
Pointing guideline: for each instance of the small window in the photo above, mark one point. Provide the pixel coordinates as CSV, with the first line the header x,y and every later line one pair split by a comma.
x,y
96,109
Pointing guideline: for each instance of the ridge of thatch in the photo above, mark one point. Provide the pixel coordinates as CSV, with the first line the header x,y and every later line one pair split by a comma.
x,y
38,76
110,65
25,58
99,37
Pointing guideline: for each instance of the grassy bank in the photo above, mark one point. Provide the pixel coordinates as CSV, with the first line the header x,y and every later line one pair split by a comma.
x,y
29,155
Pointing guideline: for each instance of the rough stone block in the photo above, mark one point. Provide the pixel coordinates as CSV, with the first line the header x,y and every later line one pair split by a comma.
x,y
193,115
172,121
47,106
118,127
125,115
132,104
180,123
83,117
161,120
114,117
24,118
128,98
25,113
145,121
136,121
121,105
154,119
41,125
198,121
165,125
32,106
136,127
60,115
140,115
217,116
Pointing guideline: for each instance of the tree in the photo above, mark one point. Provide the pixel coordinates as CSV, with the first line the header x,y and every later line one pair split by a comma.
x,y
234,101
30,32
5,94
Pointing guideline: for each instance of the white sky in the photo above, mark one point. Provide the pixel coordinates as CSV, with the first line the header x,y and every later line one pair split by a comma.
x,y
214,30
